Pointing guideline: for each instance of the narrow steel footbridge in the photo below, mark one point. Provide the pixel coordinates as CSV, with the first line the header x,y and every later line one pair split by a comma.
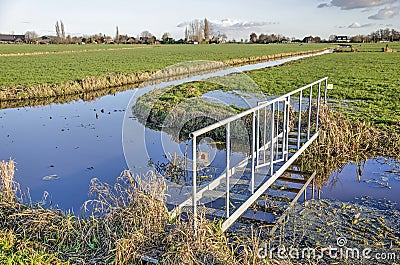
x,y
279,131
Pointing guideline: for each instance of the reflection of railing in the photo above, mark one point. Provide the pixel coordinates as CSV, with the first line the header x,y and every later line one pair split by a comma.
x,y
278,137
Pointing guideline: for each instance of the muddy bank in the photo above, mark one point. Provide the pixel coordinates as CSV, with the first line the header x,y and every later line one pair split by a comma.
x,y
324,225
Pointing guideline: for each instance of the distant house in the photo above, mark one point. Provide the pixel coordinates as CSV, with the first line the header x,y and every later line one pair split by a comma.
x,y
47,39
309,39
342,39
8,38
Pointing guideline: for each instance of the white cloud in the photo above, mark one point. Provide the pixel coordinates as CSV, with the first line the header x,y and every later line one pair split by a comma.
x,y
386,13
232,24
324,5
355,4
357,25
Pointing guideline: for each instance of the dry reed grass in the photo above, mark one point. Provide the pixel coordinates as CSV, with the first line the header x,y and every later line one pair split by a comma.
x,y
130,223
7,181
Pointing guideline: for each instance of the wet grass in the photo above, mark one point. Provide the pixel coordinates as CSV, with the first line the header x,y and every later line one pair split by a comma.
x,y
368,224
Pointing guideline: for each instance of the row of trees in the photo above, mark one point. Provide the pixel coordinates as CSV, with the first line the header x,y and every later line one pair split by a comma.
x,y
196,31
265,38
377,36
199,31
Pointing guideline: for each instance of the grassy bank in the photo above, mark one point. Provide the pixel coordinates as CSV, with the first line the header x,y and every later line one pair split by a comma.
x,y
366,84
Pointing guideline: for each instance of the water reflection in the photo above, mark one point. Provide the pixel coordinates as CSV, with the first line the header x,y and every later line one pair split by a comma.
x,y
378,178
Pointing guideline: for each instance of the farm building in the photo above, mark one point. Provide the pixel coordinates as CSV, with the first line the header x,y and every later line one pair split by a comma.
x,y
342,39
8,38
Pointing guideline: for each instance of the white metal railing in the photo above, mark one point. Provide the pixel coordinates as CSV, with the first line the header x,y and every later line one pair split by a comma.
x,y
269,142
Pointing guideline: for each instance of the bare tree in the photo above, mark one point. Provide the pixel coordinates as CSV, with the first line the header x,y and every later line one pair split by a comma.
x,y
165,37
58,33
186,34
332,38
62,30
224,38
206,30
200,27
194,31
146,37
31,36
117,35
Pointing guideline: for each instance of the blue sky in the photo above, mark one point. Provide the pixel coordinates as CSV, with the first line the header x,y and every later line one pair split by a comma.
x,y
236,18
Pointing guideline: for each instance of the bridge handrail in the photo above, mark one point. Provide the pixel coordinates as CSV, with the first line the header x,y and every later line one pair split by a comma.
x,y
252,110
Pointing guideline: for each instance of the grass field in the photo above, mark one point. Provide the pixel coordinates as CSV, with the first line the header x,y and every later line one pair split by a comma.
x,y
61,67
368,84
31,48
375,47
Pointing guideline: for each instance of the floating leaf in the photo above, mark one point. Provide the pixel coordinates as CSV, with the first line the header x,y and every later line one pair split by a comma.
x,y
50,177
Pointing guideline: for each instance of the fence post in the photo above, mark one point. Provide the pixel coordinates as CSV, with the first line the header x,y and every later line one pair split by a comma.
x,y
194,176
272,138
253,151
228,151
299,124
318,102
309,113
326,90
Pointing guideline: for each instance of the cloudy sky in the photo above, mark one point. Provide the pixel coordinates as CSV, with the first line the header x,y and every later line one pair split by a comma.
x,y
236,18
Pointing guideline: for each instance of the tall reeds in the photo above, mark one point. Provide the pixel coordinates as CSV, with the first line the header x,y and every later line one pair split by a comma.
x,y
7,181
129,225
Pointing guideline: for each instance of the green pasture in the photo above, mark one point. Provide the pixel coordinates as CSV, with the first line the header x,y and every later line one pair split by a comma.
x,y
99,60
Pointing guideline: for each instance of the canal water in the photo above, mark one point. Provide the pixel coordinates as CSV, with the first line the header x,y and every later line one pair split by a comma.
x,y
59,148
